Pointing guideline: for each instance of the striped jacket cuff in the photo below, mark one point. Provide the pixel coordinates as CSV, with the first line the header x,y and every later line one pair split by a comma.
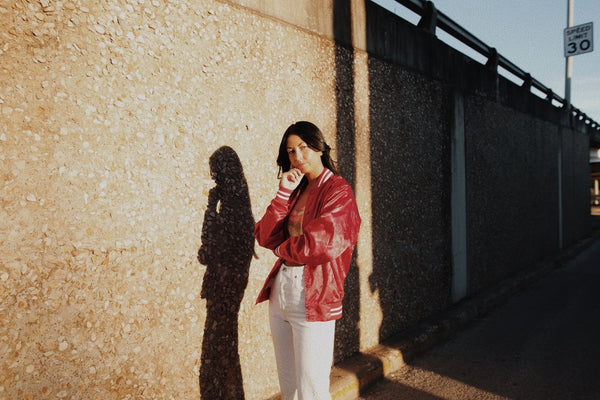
x,y
336,311
284,194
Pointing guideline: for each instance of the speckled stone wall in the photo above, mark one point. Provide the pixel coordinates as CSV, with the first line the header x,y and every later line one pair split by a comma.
x,y
512,195
512,140
512,190
576,172
410,190
137,148
124,267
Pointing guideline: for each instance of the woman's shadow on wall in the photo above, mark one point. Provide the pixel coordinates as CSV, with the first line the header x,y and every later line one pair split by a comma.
x,y
227,249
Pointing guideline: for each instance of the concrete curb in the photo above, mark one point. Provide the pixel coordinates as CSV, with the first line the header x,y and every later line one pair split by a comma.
x,y
352,376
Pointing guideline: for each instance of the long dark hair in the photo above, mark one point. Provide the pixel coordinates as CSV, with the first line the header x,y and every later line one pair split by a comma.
x,y
313,137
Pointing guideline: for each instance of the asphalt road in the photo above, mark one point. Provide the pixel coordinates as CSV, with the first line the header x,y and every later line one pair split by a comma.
x,y
543,343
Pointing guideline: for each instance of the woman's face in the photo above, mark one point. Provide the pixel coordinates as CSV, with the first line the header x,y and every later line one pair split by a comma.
x,y
303,157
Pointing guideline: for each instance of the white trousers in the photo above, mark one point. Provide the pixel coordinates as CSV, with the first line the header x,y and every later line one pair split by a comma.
x,y
303,350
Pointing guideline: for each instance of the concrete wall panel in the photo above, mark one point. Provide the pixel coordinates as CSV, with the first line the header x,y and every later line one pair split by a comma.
x,y
410,190
576,183
111,114
512,198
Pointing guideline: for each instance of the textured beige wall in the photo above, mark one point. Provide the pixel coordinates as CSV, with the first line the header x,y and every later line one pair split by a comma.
x,y
109,114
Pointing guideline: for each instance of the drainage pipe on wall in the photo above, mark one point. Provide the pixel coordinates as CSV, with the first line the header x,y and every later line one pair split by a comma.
x,y
458,197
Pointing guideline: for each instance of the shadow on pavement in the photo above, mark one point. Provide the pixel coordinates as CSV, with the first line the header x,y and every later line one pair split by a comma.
x,y
390,390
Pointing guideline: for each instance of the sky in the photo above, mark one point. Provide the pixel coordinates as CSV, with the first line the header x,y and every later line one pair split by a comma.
x,y
529,33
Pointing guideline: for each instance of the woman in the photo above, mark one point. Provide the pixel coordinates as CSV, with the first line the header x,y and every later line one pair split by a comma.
x,y
312,226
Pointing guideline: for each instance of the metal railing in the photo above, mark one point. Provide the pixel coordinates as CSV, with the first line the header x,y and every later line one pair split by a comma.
x,y
432,18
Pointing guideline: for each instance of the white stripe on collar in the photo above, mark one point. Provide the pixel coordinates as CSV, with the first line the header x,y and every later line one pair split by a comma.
x,y
325,176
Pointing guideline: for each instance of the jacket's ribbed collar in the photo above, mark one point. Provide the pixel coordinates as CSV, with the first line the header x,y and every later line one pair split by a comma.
x,y
325,176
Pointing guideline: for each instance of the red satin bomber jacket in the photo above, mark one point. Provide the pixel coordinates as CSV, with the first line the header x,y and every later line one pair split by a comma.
x,y
330,230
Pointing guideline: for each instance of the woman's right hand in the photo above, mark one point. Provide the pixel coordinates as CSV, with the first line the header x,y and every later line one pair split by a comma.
x,y
291,179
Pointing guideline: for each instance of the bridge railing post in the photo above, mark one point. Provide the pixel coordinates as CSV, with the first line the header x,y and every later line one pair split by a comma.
x,y
428,21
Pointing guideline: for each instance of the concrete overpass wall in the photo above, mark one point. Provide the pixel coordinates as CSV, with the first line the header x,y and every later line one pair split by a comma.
x,y
512,177
112,116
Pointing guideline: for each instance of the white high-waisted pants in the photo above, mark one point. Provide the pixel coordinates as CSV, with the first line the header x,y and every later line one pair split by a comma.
x,y
303,350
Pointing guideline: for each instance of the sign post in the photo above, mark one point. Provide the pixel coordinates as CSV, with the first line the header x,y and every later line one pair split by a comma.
x,y
568,59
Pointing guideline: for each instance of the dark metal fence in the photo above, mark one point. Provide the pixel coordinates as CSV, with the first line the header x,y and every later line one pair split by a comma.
x,y
431,18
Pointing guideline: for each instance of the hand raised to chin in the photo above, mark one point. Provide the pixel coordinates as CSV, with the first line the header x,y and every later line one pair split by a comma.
x,y
291,179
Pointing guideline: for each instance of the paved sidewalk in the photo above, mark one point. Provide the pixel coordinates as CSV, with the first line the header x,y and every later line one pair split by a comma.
x,y
354,375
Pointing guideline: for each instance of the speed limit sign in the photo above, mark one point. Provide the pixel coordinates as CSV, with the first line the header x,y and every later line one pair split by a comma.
x,y
579,39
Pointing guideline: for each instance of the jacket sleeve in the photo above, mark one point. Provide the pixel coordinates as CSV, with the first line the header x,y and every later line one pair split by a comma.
x,y
333,231
270,230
